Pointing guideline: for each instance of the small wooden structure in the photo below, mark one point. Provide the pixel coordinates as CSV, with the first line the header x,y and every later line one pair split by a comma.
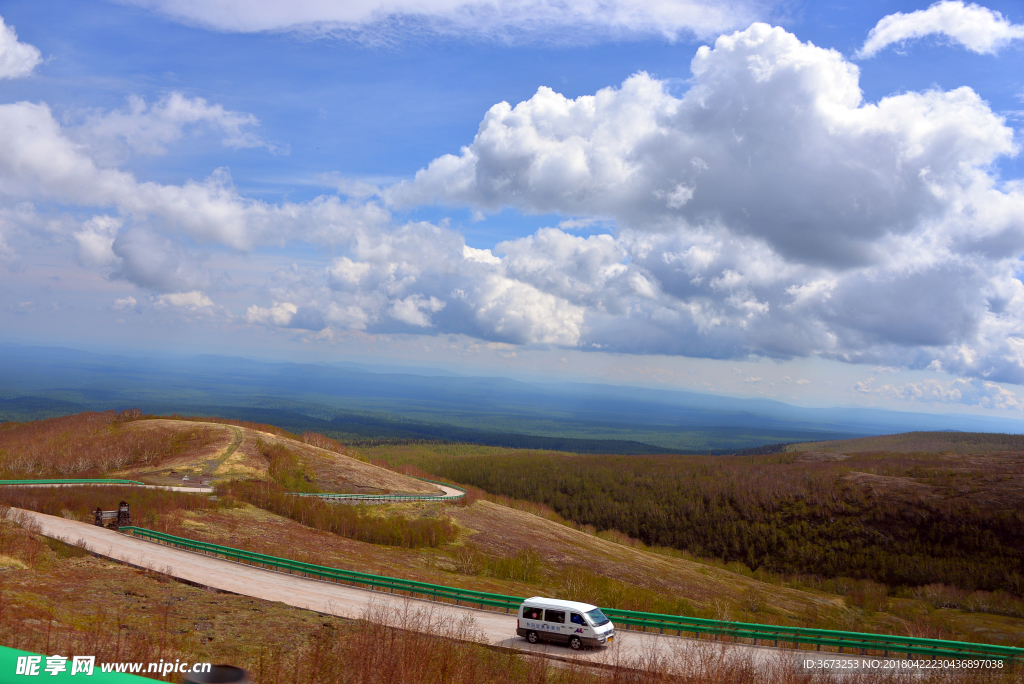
x,y
119,518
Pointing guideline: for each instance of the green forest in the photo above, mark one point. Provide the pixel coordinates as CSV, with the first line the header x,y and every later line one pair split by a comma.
x,y
899,519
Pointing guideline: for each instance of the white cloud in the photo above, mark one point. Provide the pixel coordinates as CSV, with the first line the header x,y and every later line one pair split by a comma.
x,y
38,160
502,20
17,59
96,240
278,314
194,300
128,303
977,28
155,262
414,310
973,392
769,210
286,315
148,128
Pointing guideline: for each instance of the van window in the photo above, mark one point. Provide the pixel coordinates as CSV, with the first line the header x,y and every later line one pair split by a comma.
x,y
532,613
597,617
577,619
554,616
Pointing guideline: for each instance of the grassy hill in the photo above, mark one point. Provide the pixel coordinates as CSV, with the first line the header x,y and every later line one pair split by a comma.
x,y
918,442
904,520
487,542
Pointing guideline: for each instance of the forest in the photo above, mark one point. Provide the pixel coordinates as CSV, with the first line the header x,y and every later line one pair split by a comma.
x,y
899,519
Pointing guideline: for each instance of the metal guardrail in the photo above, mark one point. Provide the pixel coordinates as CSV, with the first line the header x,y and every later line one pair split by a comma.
x,y
69,482
794,637
385,498
393,584
381,498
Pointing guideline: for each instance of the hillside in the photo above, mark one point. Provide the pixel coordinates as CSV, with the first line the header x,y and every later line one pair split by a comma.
x,y
903,520
917,442
165,451
485,542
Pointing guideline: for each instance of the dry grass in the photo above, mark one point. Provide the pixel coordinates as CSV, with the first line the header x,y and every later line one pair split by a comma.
x,y
67,602
163,450
328,469
918,442
93,445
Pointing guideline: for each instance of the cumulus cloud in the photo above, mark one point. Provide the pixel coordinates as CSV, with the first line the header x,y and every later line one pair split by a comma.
x,y
145,128
39,160
498,19
976,28
286,315
157,263
17,59
128,303
768,210
973,392
193,301
96,240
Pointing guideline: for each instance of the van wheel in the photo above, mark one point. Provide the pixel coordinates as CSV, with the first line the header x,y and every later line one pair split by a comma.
x,y
576,643
532,637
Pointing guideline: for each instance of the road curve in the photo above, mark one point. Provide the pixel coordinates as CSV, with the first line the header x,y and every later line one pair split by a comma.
x,y
496,629
450,493
170,488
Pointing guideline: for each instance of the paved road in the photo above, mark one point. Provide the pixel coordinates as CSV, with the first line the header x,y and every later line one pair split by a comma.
x,y
496,629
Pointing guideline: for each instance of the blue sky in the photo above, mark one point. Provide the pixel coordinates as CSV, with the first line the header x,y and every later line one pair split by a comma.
x,y
813,202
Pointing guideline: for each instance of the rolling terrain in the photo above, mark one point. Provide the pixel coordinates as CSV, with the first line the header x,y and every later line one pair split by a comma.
x,y
363,404
487,542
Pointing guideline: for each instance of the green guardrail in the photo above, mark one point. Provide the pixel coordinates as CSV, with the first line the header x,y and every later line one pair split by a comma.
x,y
392,584
797,637
383,498
776,635
69,482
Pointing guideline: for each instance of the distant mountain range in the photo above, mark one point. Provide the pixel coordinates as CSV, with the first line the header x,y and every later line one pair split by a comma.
x,y
358,402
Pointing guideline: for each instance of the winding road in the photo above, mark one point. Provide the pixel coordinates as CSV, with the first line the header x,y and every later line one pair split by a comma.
x,y
494,629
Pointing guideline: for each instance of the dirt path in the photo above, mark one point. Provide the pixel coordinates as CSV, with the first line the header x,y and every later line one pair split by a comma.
x,y
497,629
213,464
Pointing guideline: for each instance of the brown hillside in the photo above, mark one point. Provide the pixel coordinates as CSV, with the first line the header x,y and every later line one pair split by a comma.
x,y
164,451
915,442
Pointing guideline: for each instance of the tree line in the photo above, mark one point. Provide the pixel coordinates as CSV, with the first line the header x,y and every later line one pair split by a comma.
x,y
953,525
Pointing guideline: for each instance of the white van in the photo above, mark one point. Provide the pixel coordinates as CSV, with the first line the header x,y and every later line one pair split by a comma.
x,y
566,622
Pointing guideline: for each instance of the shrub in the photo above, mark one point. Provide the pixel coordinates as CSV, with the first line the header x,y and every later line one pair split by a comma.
x,y
351,521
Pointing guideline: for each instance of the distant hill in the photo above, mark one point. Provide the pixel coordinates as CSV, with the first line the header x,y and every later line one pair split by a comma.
x,y
380,402
918,442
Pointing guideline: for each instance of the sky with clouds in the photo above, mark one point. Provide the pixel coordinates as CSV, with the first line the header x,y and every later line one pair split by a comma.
x,y
805,201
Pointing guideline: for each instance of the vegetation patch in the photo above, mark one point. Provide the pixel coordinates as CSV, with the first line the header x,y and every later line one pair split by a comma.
x,y
362,523
899,520
91,445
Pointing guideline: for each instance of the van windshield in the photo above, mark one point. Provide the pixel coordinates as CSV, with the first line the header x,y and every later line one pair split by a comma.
x,y
597,617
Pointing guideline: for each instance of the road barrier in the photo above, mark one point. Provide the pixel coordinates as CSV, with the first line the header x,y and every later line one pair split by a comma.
x,y
388,498
69,482
768,635
392,584
364,498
